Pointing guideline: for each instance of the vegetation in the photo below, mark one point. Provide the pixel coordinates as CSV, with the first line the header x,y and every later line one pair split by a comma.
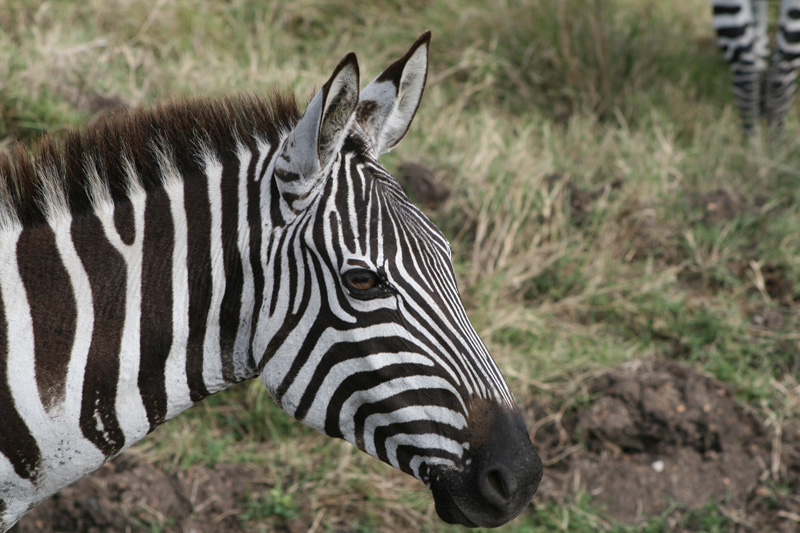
x,y
603,204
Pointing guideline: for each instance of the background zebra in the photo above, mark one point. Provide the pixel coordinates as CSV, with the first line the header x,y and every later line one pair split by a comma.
x,y
762,86
162,255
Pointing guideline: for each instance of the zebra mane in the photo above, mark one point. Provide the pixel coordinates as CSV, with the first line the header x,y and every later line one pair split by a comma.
x,y
70,169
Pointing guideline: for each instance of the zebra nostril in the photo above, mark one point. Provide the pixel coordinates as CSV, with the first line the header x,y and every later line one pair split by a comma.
x,y
498,486
497,483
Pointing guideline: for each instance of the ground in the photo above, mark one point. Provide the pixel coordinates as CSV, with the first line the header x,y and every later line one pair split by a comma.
x,y
657,439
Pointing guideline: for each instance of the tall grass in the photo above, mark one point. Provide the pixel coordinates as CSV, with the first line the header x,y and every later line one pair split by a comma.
x,y
604,206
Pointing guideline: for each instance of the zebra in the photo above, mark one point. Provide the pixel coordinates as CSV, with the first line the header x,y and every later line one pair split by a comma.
x,y
161,255
762,86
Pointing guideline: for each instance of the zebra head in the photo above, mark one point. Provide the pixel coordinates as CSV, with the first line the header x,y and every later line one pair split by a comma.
x,y
370,341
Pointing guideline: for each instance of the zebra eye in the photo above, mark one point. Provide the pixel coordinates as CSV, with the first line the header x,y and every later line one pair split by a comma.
x,y
361,280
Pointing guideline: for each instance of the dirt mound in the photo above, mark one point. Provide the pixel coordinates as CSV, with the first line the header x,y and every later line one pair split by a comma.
x,y
658,436
126,494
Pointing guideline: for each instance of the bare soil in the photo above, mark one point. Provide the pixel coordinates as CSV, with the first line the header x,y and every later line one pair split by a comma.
x,y
658,438
126,494
655,439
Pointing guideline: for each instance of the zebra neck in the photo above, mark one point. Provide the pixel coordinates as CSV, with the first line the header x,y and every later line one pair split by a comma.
x,y
119,312
124,316
210,280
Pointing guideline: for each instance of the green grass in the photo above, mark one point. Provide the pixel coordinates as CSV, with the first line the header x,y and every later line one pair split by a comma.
x,y
581,140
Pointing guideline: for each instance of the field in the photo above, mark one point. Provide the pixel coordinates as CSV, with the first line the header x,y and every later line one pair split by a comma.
x,y
630,261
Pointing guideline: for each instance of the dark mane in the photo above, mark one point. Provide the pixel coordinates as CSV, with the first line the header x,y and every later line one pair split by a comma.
x,y
133,135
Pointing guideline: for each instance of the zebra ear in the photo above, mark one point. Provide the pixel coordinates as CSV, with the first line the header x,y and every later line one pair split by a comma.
x,y
309,147
388,104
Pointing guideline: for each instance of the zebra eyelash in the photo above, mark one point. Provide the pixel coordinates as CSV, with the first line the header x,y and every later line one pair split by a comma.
x,y
381,288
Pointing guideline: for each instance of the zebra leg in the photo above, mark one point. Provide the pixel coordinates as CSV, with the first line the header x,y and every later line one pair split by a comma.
x,y
782,73
741,28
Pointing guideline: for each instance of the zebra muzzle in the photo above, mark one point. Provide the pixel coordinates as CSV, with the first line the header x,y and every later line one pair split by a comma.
x,y
499,478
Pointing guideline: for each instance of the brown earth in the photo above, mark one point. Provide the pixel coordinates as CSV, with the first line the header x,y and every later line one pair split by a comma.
x,y
659,438
656,439
127,493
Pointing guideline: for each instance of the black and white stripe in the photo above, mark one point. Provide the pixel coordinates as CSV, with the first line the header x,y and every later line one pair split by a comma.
x,y
763,86
164,255
782,75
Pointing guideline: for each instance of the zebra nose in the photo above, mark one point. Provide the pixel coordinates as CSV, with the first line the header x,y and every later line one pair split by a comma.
x,y
498,478
508,475
498,486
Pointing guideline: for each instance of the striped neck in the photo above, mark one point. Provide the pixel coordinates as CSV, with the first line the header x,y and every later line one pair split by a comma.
x,y
155,270
124,313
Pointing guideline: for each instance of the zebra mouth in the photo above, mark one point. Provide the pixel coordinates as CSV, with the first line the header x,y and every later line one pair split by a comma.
x,y
446,507
497,479
462,498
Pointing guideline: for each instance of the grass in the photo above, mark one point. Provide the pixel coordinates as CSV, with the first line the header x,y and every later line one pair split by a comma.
x,y
590,146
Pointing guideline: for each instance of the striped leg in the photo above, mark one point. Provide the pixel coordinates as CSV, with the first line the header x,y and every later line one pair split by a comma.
x,y
741,28
783,69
